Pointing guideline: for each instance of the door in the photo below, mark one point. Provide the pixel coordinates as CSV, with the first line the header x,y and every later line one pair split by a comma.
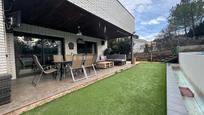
x,y
27,46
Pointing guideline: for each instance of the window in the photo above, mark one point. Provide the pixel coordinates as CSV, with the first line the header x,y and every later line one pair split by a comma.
x,y
87,47
27,46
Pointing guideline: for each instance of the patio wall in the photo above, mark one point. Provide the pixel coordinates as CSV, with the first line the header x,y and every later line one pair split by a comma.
x,y
69,37
106,9
192,65
3,62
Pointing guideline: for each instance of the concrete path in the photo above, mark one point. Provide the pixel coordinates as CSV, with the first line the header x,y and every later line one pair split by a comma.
x,y
175,104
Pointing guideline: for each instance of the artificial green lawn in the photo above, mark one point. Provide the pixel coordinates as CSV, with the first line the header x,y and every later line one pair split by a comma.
x,y
140,90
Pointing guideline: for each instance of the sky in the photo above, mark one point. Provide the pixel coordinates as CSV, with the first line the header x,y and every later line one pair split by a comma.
x,y
150,15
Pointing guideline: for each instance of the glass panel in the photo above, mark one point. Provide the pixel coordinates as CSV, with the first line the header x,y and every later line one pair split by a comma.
x,y
26,47
87,47
81,48
51,47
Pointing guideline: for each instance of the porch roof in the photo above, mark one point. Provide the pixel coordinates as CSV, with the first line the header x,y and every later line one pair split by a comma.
x,y
65,16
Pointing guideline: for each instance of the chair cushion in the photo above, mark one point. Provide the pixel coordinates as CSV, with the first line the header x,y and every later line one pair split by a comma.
x,y
103,58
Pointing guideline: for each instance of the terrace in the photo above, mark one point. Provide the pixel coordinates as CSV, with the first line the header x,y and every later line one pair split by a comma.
x,y
26,97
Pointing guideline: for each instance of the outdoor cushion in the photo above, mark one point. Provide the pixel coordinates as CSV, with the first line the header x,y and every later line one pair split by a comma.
x,y
103,58
117,56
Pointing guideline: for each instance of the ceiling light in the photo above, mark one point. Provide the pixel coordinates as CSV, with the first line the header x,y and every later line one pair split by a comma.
x,y
79,31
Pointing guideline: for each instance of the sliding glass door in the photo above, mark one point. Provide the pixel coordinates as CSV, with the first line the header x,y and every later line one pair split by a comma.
x,y
27,46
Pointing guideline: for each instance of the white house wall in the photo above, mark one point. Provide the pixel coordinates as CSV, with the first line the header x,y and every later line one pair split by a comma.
x,y
192,64
139,45
109,10
3,61
11,55
68,37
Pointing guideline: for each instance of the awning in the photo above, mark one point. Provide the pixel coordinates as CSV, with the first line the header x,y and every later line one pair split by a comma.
x,y
65,16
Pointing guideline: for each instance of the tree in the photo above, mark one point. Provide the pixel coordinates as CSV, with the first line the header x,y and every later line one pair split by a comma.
x,y
186,16
179,17
120,45
200,10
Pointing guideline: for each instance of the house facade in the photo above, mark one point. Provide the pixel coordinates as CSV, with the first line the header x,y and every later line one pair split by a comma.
x,y
139,45
51,27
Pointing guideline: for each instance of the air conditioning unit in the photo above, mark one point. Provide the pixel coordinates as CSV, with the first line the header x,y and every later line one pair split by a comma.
x,y
5,89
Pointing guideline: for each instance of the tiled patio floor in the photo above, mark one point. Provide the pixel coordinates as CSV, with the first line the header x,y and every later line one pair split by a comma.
x,y
25,96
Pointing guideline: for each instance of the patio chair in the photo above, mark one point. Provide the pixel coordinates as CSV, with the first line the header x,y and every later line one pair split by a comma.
x,y
58,58
89,62
68,57
77,64
26,62
95,59
44,71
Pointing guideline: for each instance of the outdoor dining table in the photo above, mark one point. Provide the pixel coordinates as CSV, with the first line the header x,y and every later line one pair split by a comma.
x,y
62,65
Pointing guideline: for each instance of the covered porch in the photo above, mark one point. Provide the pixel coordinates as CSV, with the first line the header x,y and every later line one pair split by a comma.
x,y
57,27
25,96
